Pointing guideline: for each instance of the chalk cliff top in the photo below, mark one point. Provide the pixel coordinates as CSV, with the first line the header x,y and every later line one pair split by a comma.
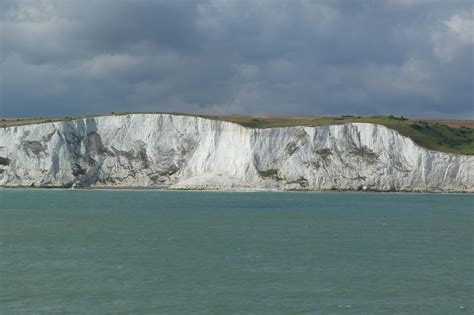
x,y
449,136
172,151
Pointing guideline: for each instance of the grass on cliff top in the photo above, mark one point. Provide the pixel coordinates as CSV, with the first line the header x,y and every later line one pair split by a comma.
x,y
433,135
445,136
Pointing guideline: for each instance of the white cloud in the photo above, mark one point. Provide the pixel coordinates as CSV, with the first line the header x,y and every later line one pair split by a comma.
x,y
461,28
456,34
108,65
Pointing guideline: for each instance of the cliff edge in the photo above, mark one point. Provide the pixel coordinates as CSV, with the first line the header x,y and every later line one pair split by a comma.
x,y
188,152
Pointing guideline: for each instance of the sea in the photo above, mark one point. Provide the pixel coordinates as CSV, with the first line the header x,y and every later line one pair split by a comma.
x,y
184,252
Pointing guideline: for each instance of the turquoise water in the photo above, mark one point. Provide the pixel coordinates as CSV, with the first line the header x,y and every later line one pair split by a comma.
x,y
146,252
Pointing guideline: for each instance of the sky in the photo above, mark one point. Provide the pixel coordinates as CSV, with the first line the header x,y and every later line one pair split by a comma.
x,y
412,58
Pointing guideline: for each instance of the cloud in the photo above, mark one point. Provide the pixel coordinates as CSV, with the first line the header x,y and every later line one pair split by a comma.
x,y
456,34
411,58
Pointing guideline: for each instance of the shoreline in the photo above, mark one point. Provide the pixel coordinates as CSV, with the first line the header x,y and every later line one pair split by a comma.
x,y
255,190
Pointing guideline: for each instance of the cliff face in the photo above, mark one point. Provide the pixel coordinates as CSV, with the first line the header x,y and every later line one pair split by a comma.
x,y
184,152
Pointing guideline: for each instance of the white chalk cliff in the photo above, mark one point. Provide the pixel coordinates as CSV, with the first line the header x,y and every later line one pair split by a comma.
x,y
186,152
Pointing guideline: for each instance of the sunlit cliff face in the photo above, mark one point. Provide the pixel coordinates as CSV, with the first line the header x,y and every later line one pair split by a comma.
x,y
185,152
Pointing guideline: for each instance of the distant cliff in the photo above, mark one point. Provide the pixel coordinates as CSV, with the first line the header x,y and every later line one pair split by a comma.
x,y
187,152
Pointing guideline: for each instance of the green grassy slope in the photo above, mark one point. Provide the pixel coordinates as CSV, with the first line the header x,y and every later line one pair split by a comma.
x,y
429,134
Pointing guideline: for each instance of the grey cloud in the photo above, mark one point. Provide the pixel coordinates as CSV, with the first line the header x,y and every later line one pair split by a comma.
x,y
405,57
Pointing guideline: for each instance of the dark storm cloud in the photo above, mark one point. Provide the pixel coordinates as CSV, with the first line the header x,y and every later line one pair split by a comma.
x,y
402,57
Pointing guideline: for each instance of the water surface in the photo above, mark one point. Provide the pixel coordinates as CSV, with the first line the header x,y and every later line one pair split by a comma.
x,y
219,253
